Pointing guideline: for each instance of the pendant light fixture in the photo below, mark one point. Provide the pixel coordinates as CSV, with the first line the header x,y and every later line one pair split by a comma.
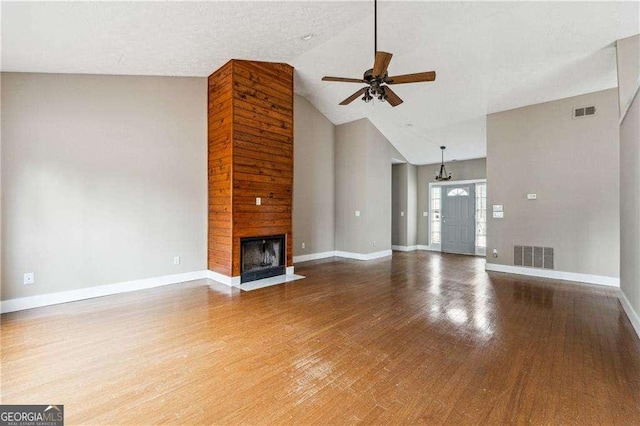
x,y
443,171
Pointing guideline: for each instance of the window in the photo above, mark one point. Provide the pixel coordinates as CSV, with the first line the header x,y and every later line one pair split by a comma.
x,y
458,192
435,214
481,215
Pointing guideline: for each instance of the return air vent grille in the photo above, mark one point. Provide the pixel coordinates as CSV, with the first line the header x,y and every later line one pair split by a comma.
x,y
584,111
536,257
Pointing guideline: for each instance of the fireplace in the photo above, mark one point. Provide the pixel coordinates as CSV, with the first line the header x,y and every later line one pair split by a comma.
x,y
250,168
262,257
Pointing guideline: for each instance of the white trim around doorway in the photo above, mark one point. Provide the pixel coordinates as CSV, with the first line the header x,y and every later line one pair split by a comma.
x,y
456,182
480,251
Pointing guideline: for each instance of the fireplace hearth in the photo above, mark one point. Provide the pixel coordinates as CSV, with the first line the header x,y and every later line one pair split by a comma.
x,y
262,257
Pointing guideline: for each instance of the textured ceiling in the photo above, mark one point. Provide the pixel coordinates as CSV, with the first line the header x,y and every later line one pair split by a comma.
x,y
489,56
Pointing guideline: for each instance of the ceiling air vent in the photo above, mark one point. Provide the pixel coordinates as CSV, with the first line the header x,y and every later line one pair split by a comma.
x,y
585,111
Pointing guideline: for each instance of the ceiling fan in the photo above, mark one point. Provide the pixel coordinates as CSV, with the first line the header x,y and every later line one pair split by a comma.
x,y
377,78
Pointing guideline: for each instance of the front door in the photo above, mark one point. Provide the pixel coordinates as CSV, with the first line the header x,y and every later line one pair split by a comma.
x,y
458,219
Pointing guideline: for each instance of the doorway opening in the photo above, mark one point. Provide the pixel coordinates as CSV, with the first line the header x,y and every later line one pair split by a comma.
x,y
458,217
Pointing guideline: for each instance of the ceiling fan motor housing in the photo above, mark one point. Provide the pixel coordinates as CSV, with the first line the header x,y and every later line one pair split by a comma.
x,y
368,76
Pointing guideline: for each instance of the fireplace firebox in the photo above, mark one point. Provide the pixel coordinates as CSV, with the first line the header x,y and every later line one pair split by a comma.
x,y
262,257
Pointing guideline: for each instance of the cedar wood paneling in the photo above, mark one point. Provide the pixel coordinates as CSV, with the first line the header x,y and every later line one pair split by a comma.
x,y
250,155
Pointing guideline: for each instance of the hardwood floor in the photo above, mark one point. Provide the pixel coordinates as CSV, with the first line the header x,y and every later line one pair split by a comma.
x,y
417,338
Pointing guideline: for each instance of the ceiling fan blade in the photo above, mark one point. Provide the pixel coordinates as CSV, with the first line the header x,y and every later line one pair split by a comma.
x,y
354,96
412,78
392,98
381,64
344,80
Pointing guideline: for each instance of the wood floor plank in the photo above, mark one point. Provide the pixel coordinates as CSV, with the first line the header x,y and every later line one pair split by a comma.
x,y
417,338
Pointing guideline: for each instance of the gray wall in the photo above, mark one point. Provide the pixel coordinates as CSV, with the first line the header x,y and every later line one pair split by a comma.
x,y
363,183
630,178
398,205
461,170
630,206
571,164
412,205
628,62
404,200
1,189
314,185
104,179
351,174
378,191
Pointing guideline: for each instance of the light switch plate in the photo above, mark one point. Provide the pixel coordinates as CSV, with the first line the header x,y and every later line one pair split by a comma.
x,y
498,207
401,213
258,201
357,212
425,213
176,260
532,196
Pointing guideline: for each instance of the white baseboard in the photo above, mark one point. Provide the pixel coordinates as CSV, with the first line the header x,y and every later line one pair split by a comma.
x,y
404,248
478,252
345,254
364,256
40,300
235,281
558,275
223,279
313,256
628,309
428,248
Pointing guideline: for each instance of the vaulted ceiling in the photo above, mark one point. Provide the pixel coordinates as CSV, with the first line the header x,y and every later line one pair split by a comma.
x,y
489,56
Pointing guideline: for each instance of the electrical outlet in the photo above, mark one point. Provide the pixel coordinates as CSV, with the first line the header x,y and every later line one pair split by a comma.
x,y
29,278
176,260
495,252
303,245
401,213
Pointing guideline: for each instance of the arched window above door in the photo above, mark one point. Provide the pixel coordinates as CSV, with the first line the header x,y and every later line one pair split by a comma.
x,y
458,192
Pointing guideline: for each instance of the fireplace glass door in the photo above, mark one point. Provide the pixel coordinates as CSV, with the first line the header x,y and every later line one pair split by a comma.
x,y
262,257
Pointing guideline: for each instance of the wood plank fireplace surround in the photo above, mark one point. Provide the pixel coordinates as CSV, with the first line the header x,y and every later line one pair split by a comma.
x,y
250,138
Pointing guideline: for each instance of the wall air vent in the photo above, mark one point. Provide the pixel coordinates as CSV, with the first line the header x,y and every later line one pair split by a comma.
x,y
585,111
536,257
